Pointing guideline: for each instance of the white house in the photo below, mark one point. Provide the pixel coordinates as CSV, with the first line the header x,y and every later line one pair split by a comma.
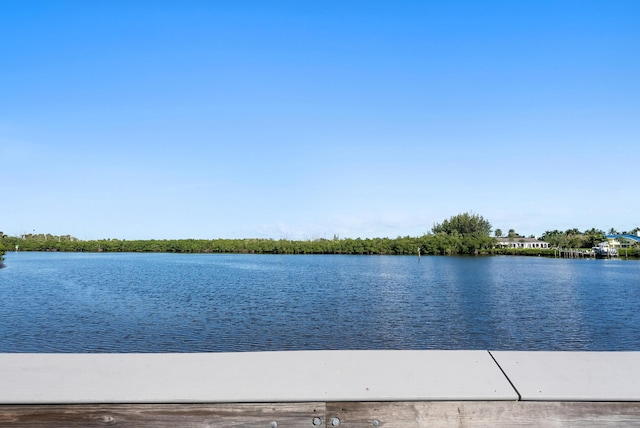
x,y
521,243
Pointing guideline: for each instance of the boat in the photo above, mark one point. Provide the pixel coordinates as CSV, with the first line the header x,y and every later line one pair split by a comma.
x,y
605,251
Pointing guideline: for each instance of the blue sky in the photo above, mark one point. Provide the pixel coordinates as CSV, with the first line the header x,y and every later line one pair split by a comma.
x,y
309,119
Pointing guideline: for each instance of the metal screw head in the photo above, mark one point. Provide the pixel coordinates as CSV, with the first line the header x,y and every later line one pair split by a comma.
x,y
375,423
274,424
316,421
335,422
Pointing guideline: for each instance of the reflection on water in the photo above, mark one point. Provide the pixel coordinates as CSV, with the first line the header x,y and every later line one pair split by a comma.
x,y
55,302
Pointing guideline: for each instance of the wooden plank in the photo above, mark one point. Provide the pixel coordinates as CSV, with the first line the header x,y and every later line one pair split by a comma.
x,y
274,415
346,414
482,414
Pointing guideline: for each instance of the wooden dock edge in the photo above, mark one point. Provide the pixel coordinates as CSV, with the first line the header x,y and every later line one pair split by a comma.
x,y
418,414
422,389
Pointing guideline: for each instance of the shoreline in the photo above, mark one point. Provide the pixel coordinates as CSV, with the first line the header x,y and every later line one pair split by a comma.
x,y
517,252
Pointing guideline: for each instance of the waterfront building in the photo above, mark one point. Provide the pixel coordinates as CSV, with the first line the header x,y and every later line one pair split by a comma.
x,y
518,242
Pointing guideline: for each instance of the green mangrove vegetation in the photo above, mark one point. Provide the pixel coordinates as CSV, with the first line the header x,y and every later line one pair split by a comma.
x,y
428,244
462,234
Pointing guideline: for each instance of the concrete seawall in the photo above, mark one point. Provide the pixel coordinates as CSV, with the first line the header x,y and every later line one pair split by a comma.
x,y
381,388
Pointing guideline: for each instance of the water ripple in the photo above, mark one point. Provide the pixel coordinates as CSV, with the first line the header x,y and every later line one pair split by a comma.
x,y
55,302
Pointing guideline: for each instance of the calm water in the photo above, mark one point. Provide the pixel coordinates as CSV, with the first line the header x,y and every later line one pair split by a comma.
x,y
57,302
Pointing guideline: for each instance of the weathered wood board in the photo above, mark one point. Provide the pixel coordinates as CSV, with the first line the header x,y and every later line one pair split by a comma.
x,y
274,415
483,414
418,414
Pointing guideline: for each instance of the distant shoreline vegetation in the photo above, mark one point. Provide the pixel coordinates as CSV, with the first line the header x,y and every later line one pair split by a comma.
x,y
463,234
428,245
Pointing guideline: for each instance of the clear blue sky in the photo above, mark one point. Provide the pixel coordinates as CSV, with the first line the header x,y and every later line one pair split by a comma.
x,y
305,119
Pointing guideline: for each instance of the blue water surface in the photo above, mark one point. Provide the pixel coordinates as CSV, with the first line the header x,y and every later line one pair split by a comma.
x,y
123,302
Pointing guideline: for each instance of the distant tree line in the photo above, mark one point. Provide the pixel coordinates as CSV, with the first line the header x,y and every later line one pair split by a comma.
x,y
462,234
465,233
428,244
573,238
2,249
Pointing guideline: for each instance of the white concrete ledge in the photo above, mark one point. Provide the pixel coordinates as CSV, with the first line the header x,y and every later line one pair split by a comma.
x,y
251,377
573,376
323,376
